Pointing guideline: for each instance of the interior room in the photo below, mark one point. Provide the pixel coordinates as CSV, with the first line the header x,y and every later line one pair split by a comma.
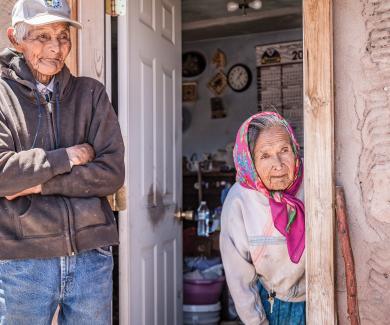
x,y
239,58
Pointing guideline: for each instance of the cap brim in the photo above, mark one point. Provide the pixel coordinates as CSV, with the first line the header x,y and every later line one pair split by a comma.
x,y
51,19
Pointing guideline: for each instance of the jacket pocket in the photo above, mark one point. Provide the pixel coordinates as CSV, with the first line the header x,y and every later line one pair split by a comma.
x,y
43,218
106,251
88,212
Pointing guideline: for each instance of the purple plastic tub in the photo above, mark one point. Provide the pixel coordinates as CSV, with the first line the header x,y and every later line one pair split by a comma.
x,y
202,292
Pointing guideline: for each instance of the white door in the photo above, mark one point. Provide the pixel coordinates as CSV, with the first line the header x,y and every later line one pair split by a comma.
x,y
149,38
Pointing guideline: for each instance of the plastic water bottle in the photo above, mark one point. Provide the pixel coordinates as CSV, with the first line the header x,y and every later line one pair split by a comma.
x,y
203,220
225,191
216,223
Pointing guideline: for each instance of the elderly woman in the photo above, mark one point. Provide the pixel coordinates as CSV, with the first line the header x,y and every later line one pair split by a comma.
x,y
61,153
263,226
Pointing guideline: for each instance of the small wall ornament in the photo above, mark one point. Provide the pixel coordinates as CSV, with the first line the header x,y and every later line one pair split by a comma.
x,y
219,59
189,91
217,108
218,83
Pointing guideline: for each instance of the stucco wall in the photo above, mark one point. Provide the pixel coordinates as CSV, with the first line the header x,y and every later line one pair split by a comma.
x,y
5,21
362,104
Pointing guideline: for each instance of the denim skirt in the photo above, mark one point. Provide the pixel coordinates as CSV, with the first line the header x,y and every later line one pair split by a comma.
x,y
283,312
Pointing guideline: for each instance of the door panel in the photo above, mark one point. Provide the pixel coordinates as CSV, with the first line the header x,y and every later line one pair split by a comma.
x,y
148,93
168,21
150,116
169,125
147,13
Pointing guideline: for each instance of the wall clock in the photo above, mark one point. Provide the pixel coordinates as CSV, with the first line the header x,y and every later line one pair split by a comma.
x,y
239,77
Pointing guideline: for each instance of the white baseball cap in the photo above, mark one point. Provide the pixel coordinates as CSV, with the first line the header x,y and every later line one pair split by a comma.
x,y
42,12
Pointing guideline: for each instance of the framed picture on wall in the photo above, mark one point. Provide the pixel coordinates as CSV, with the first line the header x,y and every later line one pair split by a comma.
x,y
190,91
218,83
217,108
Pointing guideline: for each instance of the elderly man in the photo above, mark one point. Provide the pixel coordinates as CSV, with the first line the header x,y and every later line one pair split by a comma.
x,y
61,153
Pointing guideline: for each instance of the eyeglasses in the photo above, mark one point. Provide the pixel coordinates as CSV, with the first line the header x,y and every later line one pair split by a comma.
x,y
46,38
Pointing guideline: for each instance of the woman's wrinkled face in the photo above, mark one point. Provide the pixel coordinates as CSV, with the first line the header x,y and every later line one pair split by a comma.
x,y
274,158
46,48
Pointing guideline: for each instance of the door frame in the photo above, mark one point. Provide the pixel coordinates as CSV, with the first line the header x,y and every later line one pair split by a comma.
x,y
319,158
124,105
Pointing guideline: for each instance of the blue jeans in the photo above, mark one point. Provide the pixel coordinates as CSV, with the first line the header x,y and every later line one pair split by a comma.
x,y
31,290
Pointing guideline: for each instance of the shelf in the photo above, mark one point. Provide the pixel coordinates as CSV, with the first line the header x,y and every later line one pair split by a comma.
x,y
210,174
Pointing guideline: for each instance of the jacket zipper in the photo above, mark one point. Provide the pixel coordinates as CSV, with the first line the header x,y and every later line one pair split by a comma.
x,y
71,250
54,134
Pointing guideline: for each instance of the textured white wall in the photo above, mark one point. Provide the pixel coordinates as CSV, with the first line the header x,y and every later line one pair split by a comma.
x,y
362,104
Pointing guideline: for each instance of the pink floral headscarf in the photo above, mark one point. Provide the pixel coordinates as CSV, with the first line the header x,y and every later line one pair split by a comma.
x,y
288,212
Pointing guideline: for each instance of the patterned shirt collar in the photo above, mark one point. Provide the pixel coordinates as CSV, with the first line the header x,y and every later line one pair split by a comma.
x,y
44,89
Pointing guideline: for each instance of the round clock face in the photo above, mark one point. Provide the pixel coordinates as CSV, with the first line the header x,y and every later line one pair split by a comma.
x,y
239,77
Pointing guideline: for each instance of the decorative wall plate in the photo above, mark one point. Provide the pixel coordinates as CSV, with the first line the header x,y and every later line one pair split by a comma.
x,y
193,64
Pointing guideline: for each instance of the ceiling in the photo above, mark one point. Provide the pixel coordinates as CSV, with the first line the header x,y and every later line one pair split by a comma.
x,y
205,19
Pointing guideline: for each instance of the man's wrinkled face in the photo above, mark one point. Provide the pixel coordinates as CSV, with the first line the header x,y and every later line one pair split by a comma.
x,y
46,47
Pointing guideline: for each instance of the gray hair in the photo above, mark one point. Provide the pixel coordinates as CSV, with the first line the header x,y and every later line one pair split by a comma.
x,y
21,31
258,125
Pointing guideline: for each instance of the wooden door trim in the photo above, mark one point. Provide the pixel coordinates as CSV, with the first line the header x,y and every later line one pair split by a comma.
x,y
72,59
124,102
319,161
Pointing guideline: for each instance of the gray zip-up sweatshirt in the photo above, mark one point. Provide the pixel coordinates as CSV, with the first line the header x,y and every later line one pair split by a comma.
x,y
71,214
253,250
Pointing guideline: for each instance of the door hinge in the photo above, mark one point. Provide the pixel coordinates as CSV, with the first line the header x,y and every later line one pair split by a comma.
x,y
118,200
115,8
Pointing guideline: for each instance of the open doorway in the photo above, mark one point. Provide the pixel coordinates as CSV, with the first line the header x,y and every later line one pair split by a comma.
x,y
150,112
239,58
319,103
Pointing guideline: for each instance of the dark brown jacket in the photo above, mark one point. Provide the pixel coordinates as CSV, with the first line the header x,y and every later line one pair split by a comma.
x,y
72,213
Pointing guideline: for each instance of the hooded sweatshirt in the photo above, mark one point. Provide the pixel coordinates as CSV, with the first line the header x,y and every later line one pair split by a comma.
x,y
254,250
71,214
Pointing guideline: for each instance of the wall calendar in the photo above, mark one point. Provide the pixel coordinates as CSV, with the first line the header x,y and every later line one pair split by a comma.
x,y
280,82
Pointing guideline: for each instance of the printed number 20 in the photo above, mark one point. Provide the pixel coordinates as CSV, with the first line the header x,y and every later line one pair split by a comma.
x,y
297,55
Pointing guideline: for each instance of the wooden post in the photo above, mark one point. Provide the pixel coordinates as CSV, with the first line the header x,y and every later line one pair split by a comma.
x,y
346,249
72,60
319,161
91,47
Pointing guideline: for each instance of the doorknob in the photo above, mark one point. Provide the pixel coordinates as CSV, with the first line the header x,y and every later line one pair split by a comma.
x,y
184,215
